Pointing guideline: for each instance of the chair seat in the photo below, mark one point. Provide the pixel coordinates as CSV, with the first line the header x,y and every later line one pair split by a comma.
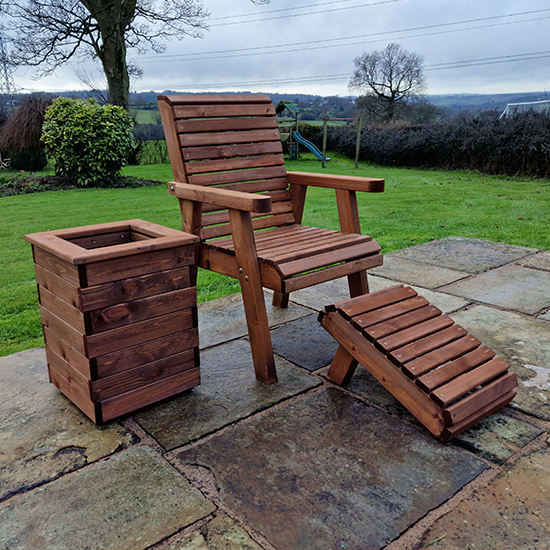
x,y
306,255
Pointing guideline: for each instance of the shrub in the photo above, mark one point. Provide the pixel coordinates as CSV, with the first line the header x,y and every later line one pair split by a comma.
x,y
31,160
20,137
89,142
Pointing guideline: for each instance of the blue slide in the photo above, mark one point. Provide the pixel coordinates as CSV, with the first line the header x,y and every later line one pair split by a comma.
x,y
303,141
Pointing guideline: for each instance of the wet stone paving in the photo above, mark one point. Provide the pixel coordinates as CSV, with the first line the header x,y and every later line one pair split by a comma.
x,y
301,464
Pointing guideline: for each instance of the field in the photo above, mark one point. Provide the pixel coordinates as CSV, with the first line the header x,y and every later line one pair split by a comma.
x,y
416,207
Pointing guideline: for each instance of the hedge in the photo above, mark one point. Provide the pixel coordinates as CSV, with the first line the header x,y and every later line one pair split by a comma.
x,y
518,145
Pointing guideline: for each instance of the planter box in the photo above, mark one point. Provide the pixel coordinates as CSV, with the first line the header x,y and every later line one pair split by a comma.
x,y
118,307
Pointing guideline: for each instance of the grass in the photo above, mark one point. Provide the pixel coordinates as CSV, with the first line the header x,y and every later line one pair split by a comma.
x,y
145,116
416,207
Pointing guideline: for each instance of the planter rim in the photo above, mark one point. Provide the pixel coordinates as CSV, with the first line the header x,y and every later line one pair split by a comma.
x,y
56,242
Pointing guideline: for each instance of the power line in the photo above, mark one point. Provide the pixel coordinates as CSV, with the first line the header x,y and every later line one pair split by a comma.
x,y
306,13
488,61
294,46
346,76
280,10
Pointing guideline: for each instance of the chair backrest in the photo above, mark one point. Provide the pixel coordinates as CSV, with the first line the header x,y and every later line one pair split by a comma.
x,y
230,141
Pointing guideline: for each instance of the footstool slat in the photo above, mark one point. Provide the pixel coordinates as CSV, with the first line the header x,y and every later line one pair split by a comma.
x,y
425,345
439,372
389,312
402,322
376,301
403,338
464,408
467,382
440,356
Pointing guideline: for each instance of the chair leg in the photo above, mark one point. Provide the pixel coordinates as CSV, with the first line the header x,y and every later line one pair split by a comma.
x,y
258,331
253,296
358,284
342,367
280,299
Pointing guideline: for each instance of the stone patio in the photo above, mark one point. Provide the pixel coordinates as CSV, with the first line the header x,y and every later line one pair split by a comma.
x,y
302,464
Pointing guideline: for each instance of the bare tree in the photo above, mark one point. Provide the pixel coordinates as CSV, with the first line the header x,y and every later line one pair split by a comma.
x,y
388,78
48,33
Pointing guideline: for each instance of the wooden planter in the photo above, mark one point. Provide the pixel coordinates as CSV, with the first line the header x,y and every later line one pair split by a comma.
x,y
118,307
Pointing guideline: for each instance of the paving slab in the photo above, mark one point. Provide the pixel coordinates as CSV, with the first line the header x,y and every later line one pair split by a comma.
x,y
522,341
223,319
541,260
511,512
319,296
329,471
220,533
132,500
305,343
511,287
42,434
465,254
228,392
416,273
496,438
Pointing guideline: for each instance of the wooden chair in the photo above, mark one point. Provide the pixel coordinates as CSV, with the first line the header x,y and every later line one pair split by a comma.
x,y
235,193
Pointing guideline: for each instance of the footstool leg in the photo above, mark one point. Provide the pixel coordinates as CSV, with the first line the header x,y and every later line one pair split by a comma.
x,y
342,368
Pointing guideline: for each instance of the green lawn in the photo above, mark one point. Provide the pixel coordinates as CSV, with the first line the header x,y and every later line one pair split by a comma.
x,y
145,116
416,207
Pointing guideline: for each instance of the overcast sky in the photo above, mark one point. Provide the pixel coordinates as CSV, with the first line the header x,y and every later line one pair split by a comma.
x,y
308,46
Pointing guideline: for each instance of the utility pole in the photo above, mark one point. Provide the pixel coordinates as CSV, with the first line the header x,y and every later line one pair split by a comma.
x,y
7,86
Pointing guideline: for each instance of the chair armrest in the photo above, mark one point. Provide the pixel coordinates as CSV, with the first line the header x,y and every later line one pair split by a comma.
x,y
346,183
225,198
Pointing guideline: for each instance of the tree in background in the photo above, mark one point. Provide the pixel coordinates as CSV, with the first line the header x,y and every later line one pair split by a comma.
x,y
48,33
388,78
21,135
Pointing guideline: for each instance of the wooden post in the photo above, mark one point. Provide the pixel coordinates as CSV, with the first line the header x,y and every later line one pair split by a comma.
x,y
325,125
358,142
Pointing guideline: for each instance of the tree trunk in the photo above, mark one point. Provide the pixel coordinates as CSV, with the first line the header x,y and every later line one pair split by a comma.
x,y
116,71
113,18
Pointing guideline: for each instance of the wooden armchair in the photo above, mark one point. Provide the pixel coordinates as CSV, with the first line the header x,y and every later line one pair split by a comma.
x,y
235,193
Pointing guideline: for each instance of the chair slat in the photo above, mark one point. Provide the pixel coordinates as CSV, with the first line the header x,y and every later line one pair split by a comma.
x,y
227,151
228,138
201,167
222,216
328,258
238,176
220,125
293,252
257,223
274,248
214,111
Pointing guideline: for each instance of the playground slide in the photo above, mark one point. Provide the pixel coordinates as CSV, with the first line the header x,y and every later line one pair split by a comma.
x,y
303,141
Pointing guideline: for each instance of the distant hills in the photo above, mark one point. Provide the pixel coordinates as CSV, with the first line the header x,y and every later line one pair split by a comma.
x,y
452,103
483,102
343,105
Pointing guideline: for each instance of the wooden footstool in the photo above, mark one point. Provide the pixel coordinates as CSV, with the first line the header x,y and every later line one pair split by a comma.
x,y
439,372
